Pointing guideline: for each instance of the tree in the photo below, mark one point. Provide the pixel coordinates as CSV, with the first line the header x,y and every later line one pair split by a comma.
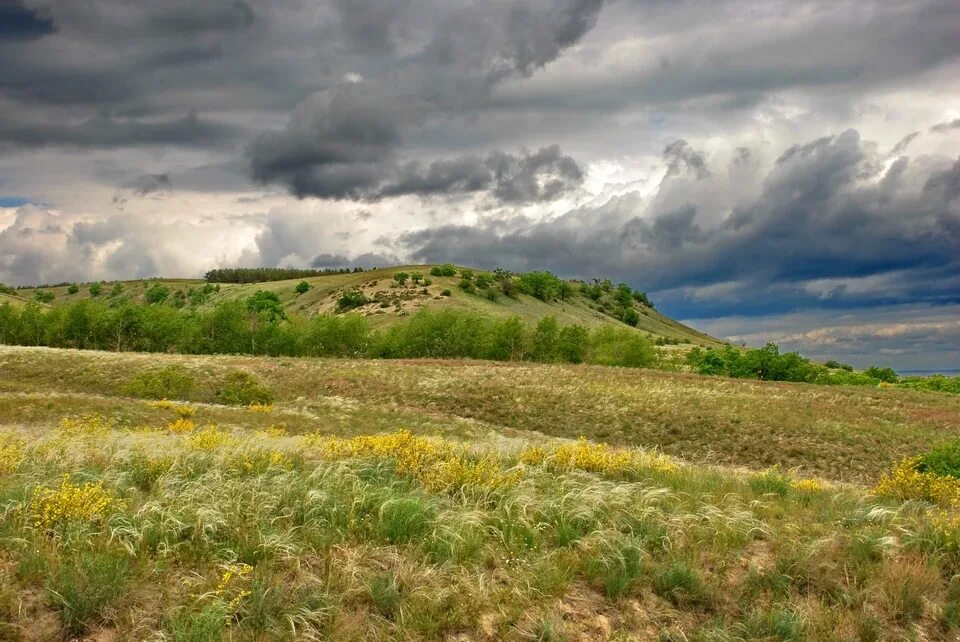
x,y
546,339
44,296
630,316
73,288
401,277
96,289
302,288
887,375
447,269
541,285
416,277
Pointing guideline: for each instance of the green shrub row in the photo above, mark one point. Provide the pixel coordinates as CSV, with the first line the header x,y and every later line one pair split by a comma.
x,y
258,326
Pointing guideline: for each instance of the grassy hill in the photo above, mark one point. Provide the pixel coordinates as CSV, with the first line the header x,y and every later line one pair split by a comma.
x,y
317,517
390,303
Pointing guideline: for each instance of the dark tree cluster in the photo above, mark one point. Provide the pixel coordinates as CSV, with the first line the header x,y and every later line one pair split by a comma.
x,y
263,274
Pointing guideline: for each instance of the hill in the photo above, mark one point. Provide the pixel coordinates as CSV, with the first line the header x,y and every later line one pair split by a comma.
x,y
442,500
389,303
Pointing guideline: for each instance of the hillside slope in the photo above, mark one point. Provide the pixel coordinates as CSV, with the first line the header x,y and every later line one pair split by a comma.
x,y
393,303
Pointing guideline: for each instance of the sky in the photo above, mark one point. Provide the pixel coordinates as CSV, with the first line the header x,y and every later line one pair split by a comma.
x,y
766,171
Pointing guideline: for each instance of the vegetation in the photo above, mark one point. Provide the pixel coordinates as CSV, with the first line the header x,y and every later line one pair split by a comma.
x,y
317,517
302,288
260,275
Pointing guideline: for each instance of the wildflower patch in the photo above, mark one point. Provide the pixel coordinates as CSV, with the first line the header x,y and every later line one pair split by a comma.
x,y
69,502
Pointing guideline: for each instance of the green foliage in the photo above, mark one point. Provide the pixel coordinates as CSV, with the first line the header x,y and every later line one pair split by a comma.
x,y
85,584
73,288
682,585
116,289
401,277
545,286
169,382
621,347
943,459
467,286
302,288
630,316
446,292
44,296
934,383
351,299
763,363
483,280
887,375
447,269
157,293
416,277
266,304
6,289
240,388
836,365
96,289
332,336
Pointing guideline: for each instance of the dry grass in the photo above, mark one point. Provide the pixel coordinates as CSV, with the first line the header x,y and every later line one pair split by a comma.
x,y
323,519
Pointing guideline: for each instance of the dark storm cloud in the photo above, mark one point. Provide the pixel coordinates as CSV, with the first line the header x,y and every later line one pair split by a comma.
x,y
828,218
17,22
345,142
104,132
680,157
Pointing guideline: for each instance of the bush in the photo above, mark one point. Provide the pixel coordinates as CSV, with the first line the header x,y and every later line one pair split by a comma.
x,y
267,305
447,269
943,459
73,288
630,316
116,289
330,336
157,294
401,277
541,285
170,382
621,347
886,375
241,388
44,296
351,299
467,285
446,292
302,288
416,277
96,289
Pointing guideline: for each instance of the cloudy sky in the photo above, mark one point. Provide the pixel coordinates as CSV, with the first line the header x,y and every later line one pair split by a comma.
x,y
784,171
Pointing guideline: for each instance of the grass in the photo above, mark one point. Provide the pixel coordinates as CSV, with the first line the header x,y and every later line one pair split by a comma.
x,y
434,500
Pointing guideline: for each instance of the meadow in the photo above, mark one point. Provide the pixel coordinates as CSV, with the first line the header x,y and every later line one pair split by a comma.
x,y
279,498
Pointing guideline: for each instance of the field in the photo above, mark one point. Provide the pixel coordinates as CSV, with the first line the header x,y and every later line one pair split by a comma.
x,y
455,500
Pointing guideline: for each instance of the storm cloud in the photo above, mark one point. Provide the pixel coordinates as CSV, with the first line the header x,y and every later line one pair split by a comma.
x,y
736,159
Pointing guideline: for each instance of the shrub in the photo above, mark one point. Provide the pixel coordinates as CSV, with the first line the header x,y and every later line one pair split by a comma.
x,y
943,459
96,289
87,583
73,288
44,296
170,382
630,316
302,288
351,299
241,388
483,280
157,294
416,277
886,375
467,286
447,269
446,292
401,277
541,285
331,336
266,304
621,347
116,289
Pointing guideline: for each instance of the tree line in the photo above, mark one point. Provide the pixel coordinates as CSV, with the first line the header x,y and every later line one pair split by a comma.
x,y
263,274
259,326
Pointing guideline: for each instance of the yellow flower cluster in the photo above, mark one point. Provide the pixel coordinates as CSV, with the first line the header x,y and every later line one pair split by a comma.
x,y
258,461
94,425
598,458
808,485
906,482
180,409
181,425
436,463
273,432
71,502
265,408
234,581
208,438
11,454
